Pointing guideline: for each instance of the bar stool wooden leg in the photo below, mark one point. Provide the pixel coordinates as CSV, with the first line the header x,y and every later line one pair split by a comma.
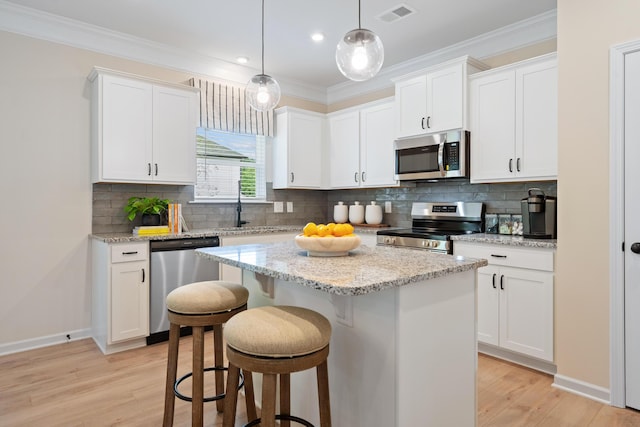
x,y
285,398
268,413
250,398
231,398
322,371
218,363
172,369
197,395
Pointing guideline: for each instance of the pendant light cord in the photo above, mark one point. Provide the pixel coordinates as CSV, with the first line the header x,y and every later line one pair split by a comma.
x,y
359,23
263,37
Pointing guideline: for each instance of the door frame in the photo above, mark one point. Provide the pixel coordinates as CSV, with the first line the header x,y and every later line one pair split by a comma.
x,y
616,224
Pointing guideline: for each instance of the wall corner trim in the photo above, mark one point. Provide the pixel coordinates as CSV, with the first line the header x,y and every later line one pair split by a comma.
x,y
581,388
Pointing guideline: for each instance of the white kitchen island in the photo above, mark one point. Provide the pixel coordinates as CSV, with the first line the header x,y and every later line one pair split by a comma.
x,y
403,346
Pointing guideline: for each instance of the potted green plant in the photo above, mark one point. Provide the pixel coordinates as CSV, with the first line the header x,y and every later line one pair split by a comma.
x,y
150,208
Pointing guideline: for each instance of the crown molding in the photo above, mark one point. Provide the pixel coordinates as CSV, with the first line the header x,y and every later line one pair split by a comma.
x,y
53,28
45,26
518,35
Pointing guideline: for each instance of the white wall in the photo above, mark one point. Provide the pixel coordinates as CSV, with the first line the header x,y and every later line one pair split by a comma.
x,y
45,184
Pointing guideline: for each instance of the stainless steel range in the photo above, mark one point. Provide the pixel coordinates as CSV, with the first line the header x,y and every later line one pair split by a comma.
x,y
433,224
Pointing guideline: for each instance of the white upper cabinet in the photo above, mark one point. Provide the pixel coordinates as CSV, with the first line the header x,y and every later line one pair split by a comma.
x,y
514,122
298,149
434,100
361,147
143,131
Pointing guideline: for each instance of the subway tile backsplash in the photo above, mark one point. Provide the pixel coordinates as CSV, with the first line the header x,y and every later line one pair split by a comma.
x,y
308,205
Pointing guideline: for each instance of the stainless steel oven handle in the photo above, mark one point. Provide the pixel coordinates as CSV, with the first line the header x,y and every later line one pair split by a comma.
x,y
441,158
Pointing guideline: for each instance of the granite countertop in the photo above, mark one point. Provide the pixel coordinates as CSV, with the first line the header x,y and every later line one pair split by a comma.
x,y
500,239
366,269
210,232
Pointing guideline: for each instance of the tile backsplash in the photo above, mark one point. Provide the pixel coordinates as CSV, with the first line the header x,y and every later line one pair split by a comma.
x,y
308,205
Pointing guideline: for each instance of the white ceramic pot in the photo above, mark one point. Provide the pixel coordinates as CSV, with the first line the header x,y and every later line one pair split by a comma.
x,y
340,213
373,214
356,213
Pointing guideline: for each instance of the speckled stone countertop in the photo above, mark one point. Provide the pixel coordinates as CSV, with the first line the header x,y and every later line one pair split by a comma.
x,y
366,269
210,232
498,239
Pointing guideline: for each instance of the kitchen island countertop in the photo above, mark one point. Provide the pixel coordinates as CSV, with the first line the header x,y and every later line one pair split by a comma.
x,y
365,269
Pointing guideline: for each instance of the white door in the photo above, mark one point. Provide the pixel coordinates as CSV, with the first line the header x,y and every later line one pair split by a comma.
x,y
344,148
377,162
632,229
411,107
444,99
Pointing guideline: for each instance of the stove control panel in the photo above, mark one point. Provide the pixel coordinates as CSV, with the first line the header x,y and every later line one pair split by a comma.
x,y
442,246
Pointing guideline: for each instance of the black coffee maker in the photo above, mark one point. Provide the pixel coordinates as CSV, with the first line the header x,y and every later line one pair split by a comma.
x,y
539,215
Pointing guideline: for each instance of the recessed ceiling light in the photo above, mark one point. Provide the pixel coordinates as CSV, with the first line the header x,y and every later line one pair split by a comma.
x,y
242,59
317,37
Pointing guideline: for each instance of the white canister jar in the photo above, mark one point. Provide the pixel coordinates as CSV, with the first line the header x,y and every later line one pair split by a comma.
x,y
373,214
340,213
356,213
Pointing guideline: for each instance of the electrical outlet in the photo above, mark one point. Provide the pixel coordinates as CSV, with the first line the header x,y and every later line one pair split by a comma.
x,y
278,207
387,207
289,206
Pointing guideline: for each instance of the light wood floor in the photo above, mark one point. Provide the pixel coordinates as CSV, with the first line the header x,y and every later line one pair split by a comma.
x,y
73,385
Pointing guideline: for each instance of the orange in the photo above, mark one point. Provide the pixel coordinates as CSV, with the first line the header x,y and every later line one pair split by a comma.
x,y
310,229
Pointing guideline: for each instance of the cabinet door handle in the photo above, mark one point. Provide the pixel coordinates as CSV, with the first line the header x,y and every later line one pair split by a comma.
x,y
130,253
422,123
156,169
498,256
291,176
493,280
501,282
363,177
510,165
143,275
429,122
518,164
355,176
149,169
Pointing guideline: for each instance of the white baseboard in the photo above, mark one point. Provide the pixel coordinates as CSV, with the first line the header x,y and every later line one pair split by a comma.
x,y
520,359
582,388
33,343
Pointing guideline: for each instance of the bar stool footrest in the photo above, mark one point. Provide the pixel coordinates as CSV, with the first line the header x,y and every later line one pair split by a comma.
x,y
283,417
206,399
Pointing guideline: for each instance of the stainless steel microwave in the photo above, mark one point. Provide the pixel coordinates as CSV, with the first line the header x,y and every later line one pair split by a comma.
x,y
439,156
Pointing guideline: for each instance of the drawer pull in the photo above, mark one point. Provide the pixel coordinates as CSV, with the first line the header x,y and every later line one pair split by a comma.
x,y
493,280
130,253
498,256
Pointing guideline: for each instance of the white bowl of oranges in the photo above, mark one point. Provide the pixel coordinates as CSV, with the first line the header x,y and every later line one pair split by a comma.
x,y
327,239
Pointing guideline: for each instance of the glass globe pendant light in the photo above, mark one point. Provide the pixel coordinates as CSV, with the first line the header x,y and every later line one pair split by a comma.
x,y
360,53
262,91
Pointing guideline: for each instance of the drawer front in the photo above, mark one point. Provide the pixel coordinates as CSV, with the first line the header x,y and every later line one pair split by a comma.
x,y
509,256
127,252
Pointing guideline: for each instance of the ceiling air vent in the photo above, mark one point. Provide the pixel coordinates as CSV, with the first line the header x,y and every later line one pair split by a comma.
x,y
396,13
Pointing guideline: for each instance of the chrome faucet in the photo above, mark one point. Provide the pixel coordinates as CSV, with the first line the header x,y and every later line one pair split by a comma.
x,y
239,221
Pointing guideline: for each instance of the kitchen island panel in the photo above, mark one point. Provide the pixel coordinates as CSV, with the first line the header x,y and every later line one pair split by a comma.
x,y
400,356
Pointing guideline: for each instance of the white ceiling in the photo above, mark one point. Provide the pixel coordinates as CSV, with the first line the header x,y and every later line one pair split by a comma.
x,y
228,29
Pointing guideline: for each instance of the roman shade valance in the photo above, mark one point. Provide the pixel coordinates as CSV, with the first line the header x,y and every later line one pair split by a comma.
x,y
224,107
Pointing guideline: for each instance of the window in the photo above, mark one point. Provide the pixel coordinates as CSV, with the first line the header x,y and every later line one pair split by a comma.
x,y
223,159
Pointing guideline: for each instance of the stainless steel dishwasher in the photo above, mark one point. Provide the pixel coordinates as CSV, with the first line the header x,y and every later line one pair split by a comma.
x,y
173,264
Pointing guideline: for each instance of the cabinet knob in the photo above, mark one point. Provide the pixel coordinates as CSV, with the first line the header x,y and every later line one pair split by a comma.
x,y
635,248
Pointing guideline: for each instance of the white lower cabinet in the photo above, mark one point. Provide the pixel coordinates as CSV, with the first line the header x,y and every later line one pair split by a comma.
x,y
515,297
120,305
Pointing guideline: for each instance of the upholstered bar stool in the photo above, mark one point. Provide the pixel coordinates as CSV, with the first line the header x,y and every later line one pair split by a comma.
x,y
277,341
201,304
